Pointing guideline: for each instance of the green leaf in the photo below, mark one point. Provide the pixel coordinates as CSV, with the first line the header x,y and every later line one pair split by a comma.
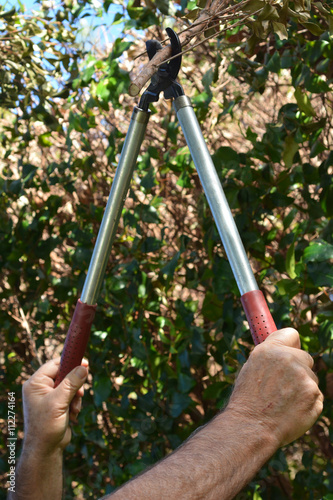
x,y
253,6
321,8
179,403
8,14
290,149
304,103
268,13
151,244
149,180
44,140
318,252
274,63
28,172
119,47
315,29
193,14
226,157
163,6
185,383
210,32
290,261
288,287
212,307
185,180
330,24
15,186
321,273
278,199
102,389
102,90
280,30
214,390
171,266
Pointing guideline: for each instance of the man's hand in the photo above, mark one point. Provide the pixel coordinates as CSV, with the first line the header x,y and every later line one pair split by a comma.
x,y
278,389
47,411
275,400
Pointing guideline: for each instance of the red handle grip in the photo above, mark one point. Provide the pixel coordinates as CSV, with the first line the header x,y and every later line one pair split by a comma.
x,y
76,339
258,315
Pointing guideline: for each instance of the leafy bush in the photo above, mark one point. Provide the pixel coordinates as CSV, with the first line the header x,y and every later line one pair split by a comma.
x,y
170,334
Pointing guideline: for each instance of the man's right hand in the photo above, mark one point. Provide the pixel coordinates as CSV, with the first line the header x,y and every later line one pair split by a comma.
x,y
277,388
275,400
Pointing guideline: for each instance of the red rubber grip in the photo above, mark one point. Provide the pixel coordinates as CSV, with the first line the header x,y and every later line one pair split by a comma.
x,y
258,315
76,339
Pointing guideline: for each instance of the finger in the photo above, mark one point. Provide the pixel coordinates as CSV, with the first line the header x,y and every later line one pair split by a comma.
x,y
311,374
73,418
75,408
80,392
70,385
301,356
287,336
74,411
76,403
50,368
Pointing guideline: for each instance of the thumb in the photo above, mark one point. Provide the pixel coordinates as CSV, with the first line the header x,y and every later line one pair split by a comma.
x,y
71,384
286,337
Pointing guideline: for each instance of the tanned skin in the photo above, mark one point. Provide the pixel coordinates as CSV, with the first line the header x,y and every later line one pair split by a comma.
x,y
275,400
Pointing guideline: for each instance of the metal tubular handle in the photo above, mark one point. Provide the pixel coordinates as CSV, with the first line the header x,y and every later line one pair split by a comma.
x,y
114,206
224,220
79,330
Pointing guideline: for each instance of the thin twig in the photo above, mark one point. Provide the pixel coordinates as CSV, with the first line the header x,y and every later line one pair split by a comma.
x,y
220,13
165,54
208,38
25,324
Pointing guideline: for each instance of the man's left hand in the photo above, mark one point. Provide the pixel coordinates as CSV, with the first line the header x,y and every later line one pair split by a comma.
x,y
47,410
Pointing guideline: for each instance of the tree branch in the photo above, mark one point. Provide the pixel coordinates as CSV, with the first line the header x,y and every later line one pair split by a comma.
x,y
212,10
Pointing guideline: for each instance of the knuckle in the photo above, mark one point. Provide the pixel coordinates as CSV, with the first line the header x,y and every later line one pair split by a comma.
x,y
320,396
285,358
295,335
311,389
26,387
288,358
309,359
320,405
260,351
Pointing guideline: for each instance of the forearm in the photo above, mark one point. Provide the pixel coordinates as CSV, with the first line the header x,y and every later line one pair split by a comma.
x,y
37,477
215,463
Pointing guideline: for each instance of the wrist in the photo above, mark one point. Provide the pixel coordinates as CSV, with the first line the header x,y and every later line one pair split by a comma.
x,y
257,426
39,452
39,474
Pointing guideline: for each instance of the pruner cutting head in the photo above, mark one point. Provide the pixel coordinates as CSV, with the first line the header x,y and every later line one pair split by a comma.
x,y
165,78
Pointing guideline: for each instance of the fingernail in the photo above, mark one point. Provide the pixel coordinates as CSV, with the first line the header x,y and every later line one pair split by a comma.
x,y
81,372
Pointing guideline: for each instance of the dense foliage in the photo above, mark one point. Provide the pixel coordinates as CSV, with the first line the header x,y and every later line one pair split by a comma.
x,y
170,334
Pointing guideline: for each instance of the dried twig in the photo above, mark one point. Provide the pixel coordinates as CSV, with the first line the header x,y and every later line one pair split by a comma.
x,y
213,10
25,324
218,33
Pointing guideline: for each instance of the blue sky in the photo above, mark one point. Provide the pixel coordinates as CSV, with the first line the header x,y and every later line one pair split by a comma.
x,y
96,30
